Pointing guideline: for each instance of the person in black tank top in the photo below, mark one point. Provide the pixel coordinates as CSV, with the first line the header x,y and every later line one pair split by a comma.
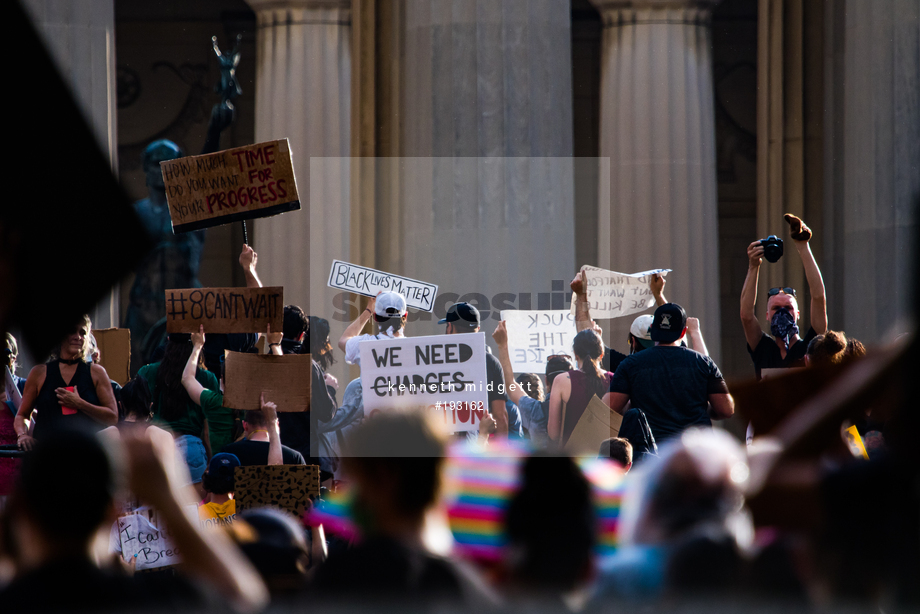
x,y
67,392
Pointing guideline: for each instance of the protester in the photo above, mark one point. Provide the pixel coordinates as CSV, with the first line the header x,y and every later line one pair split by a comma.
x,y
534,413
10,354
54,569
67,392
333,433
673,385
785,348
219,506
276,545
636,339
9,467
533,386
394,461
259,429
618,450
389,312
827,349
573,390
136,403
464,318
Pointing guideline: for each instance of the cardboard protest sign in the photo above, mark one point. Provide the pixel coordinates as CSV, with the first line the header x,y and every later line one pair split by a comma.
x,y
598,423
535,335
145,539
285,486
368,282
224,310
285,380
12,392
445,374
612,295
115,352
230,186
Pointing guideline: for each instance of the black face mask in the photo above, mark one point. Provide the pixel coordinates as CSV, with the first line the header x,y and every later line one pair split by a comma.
x,y
783,325
289,346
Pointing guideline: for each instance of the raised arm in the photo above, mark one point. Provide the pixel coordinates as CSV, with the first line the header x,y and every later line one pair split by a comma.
x,y
514,391
752,330
248,259
696,336
192,386
270,411
274,341
354,329
656,284
579,287
801,234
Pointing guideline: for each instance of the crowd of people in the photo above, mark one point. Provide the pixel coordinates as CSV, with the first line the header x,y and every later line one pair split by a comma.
x,y
84,452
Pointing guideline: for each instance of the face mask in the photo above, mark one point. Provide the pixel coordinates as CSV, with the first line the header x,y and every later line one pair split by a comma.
x,y
783,325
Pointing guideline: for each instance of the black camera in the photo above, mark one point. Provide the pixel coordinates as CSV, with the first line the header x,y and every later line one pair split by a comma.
x,y
772,248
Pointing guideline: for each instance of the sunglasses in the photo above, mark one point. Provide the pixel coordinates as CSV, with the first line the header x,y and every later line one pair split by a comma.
x,y
775,291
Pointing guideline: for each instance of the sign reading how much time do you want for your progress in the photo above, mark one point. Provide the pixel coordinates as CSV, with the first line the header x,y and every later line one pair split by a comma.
x,y
230,186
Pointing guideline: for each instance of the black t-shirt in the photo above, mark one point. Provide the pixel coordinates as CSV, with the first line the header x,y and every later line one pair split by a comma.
x,y
671,384
611,359
767,355
76,585
495,376
256,453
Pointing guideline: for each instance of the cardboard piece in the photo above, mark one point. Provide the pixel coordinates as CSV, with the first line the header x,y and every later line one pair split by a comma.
x,y
534,335
225,310
285,380
230,186
288,487
369,282
598,423
12,392
613,295
115,352
445,374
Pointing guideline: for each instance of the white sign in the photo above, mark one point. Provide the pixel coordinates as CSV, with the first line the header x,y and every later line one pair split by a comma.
x,y
535,335
368,282
145,544
445,374
12,392
612,295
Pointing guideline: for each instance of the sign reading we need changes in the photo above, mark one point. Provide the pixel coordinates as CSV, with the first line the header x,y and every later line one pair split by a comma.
x,y
230,186
368,282
443,374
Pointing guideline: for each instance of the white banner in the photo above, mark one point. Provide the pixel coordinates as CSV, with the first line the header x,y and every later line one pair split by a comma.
x,y
535,335
612,294
368,282
445,374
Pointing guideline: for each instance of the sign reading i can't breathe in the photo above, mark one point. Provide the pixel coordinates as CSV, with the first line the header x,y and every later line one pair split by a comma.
x,y
442,374
368,282
224,310
230,186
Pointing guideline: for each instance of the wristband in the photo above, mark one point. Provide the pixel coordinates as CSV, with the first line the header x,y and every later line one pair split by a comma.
x,y
273,344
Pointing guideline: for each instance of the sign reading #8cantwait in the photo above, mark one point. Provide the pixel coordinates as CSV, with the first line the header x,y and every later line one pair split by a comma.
x,y
230,186
224,310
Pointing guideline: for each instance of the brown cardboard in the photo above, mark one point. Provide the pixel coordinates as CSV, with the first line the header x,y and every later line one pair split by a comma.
x,y
285,380
285,486
598,423
224,310
230,186
115,352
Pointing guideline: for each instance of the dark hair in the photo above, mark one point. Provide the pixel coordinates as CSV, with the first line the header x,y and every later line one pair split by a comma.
x,y
276,546
588,346
534,388
217,484
168,387
827,349
320,346
136,399
66,465
855,349
254,417
295,322
384,322
618,449
555,534
557,366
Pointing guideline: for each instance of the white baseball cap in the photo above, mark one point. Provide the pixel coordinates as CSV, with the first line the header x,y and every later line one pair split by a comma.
x,y
390,304
640,328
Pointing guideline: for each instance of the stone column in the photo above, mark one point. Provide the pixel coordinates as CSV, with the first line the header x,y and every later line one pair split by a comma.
x,y
486,195
80,35
303,93
658,137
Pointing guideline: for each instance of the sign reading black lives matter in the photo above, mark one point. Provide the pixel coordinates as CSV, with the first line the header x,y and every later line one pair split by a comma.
x,y
368,282
230,186
444,374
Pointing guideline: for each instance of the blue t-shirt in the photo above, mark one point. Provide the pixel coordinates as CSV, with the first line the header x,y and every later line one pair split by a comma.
x,y
515,430
534,416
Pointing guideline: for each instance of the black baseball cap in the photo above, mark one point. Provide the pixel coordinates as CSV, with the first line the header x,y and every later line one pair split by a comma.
x,y
669,323
462,313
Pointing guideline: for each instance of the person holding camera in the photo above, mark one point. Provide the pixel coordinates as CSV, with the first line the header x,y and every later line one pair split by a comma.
x,y
785,348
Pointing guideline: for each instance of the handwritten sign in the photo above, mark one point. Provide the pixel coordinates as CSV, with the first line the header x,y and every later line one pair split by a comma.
x,y
230,186
612,294
368,282
535,335
445,374
224,310
146,540
285,380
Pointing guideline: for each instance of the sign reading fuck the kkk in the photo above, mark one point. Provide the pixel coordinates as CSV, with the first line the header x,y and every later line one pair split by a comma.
x,y
442,374
612,295
368,282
